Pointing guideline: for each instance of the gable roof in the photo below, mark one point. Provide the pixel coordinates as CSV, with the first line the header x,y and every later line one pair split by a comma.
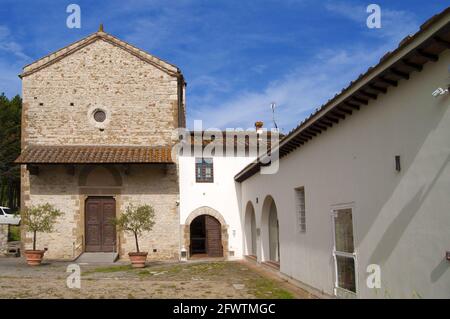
x,y
100,35
411,55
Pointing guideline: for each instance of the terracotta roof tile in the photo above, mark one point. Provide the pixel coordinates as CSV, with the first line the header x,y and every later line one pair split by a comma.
x,y
40,154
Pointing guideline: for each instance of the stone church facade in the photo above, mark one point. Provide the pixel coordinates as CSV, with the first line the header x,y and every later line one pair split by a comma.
x,y
97,132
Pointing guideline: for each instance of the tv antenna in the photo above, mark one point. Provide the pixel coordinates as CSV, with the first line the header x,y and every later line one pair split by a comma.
x,y
273,105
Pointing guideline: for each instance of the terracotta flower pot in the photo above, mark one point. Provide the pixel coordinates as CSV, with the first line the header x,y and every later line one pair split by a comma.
x,y
34,257
138,259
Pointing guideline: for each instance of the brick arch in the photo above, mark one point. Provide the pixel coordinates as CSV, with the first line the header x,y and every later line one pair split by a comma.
x,y
205,210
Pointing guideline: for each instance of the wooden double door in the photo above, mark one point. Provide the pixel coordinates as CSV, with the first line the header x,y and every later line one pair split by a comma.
x,y
99,229
206,236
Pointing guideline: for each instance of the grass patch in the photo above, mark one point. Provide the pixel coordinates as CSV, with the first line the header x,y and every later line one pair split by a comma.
x,y
266,289
110,269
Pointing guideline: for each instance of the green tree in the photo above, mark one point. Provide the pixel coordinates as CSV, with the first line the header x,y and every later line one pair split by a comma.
x,y
10,118
136,220
40,219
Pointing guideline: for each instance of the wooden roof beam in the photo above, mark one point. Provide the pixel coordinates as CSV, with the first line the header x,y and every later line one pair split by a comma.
x,y
338,114
372,96
320,127
294,144
345,110
378,88
300,140
312,129
415,66
332,118
399,73
429,56
442,42
387,81
352,105
309,135
326,122
359,100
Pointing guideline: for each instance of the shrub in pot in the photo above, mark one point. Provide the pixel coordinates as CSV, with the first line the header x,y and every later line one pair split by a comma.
x,y
136,220
38,219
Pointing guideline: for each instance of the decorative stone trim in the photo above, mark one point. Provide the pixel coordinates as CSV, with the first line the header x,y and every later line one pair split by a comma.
x,y
90,116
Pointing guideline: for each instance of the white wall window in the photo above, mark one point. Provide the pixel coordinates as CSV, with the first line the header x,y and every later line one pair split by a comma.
x,y
300,209
204,170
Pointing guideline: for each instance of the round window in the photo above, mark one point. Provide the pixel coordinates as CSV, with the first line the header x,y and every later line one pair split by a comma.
x,y
99,116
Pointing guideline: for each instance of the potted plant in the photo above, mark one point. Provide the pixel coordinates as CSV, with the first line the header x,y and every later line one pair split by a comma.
x,y
136,220
36,219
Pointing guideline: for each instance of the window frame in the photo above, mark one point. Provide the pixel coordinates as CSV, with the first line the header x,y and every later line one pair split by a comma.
x,y
301,226
204,165
339,291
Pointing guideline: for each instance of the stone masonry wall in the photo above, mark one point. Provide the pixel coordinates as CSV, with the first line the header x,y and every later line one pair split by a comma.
x,y
144,184
54,186
141,104
159,188
140,100
3,238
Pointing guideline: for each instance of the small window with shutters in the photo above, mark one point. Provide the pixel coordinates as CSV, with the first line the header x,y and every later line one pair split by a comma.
x,y
300,207
204,170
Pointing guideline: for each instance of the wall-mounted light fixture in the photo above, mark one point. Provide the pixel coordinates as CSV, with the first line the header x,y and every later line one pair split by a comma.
x,y
448,255
398,164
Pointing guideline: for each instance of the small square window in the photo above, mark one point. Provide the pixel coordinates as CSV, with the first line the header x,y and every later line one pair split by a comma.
x,y
204,170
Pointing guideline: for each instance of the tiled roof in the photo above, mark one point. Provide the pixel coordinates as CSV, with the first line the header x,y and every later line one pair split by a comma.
x,y
239,138
40,154
412,53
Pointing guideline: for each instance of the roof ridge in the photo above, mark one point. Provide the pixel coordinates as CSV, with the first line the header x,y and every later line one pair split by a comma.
x,y
55,56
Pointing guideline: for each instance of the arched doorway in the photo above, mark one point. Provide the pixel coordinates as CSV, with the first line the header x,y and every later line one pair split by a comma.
x,y
207,225
206,238
250,230
100,184
271,231
274,234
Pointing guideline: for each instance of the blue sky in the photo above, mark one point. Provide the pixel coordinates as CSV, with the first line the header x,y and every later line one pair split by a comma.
x,y
237,56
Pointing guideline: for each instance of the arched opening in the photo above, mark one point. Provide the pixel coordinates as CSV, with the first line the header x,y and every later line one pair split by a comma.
x,y
206,237
100,176
271,232
250,230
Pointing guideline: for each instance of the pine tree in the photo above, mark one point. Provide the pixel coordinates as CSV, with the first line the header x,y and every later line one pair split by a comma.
x,y
10,117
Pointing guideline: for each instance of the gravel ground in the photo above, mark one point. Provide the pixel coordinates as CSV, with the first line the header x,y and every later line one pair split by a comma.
x,y
198,280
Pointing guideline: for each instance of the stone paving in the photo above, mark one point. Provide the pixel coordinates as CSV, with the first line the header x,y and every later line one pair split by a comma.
x,y
198,280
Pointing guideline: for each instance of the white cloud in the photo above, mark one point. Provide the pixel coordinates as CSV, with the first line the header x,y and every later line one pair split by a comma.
x,y
296,93
312,82
8,45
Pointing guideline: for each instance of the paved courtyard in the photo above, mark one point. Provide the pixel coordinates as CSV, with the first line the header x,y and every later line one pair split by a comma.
x,y
199,280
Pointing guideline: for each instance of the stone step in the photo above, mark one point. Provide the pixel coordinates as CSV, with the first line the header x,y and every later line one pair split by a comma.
x,y
97,258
